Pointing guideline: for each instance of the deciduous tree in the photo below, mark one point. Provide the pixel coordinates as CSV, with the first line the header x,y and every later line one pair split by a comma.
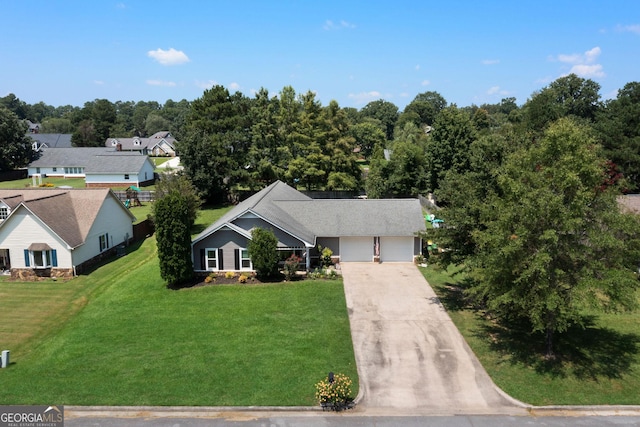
x,y
15,146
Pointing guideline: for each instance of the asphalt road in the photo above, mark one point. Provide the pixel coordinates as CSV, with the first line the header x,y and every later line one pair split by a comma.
x,y
346,420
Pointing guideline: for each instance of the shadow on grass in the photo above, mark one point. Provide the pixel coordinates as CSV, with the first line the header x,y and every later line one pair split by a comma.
x,y
453,297
93,266
588,352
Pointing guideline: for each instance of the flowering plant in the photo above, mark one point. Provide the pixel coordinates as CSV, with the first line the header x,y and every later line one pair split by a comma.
x,y
334,392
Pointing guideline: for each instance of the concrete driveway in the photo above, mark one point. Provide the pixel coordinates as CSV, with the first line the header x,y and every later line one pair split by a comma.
x,y
411,358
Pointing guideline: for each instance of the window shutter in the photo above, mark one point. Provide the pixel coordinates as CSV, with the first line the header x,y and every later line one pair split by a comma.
x,y
54,257
220,262
203,262
26,257
237,258
106,240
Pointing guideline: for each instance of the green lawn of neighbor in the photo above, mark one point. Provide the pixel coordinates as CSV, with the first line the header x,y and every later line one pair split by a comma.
x,y
599,365
118,336
54,181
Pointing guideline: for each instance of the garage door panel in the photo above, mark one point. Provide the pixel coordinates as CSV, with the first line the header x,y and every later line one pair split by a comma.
x,y
396,249
356,249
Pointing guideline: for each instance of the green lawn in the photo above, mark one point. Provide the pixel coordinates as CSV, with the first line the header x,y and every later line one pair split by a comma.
x,y
596,365
55,181
118,336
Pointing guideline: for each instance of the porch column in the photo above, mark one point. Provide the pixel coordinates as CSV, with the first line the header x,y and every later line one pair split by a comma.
x,y
308,260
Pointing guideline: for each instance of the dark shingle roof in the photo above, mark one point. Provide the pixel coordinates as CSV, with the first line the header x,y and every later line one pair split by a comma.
x,y
92,159
52,140
308,218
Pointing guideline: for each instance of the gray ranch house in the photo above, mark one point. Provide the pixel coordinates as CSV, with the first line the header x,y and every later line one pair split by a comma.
x,y
383,230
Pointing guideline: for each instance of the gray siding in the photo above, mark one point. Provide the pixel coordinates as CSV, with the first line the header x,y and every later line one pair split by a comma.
x,y
285,240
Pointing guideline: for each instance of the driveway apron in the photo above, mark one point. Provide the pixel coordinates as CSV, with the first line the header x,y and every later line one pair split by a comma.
x,y
409,353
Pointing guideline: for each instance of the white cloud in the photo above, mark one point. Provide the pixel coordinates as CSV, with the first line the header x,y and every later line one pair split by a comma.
x,y
121,5
587,71
207,84
629,28
168,57
495,90
98,82
490,61
329,25
365,97
160,83
417,67
234,86
583,64
425,83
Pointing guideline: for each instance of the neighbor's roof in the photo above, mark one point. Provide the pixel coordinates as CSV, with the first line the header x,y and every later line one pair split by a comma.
x,y
140,143
52,140
69,213
92,159
308,218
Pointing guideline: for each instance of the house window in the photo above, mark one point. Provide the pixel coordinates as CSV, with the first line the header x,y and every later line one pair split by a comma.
x,y
211,259
37,170
104,241
73,171
4,213
126,176
40,258
55,169
245,261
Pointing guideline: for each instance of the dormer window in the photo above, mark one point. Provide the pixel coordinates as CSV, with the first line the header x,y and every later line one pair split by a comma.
x,y
136,141
4,213
114,142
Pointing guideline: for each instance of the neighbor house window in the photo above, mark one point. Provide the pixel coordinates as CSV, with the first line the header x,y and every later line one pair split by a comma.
x,y
73,171
245,261
4,213
211,259
126,176
40,258
37,170
104,241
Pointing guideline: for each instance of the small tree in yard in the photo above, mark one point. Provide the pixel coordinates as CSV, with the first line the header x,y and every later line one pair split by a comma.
x,y
263,251
172,222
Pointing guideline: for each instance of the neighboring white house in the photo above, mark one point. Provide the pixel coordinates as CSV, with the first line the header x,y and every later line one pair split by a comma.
x,y
56,232
101,167
159,144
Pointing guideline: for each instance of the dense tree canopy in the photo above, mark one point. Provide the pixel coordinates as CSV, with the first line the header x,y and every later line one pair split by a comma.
x,y
15,146
549,239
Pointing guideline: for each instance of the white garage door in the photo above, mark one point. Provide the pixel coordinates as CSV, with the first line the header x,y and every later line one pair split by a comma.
x,y
356,249
396,249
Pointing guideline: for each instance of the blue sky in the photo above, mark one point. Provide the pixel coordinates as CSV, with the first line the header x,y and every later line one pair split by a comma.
x,y
354,52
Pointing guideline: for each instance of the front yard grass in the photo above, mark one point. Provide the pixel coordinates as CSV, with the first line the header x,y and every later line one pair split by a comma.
x,y
118,336
598,365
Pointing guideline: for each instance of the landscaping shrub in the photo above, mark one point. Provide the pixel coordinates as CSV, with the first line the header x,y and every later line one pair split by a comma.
x,y
291,266
334,392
